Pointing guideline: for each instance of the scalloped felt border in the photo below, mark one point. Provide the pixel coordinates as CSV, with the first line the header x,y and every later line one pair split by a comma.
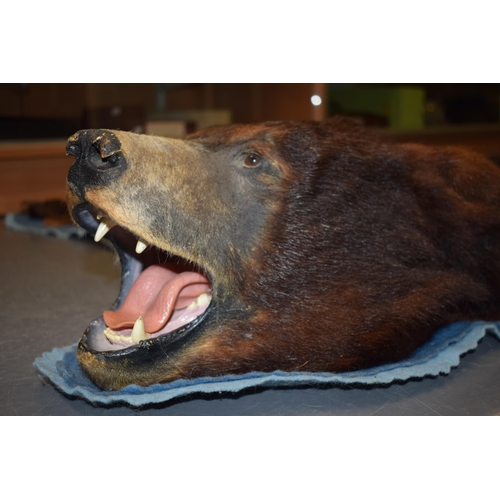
x,y
438,356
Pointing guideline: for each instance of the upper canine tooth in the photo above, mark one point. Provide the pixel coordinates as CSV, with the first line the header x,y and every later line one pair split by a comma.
x,y
141,246
103,228
138,332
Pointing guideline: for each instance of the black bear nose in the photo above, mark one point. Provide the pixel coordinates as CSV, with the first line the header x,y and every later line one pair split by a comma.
x,y
96,149
99,160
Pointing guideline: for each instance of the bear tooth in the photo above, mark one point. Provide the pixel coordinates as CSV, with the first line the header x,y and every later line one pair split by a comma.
x,y
109,334
141,246
204,299
138,332
113,337
103,228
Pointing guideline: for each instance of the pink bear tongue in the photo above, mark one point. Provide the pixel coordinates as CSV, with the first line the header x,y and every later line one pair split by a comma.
x,y
154,296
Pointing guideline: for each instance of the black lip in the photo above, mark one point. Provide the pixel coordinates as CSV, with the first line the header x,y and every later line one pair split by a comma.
x,y
168,343
84,216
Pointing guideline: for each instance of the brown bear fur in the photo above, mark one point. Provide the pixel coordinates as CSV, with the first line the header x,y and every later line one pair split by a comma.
x,y
336,251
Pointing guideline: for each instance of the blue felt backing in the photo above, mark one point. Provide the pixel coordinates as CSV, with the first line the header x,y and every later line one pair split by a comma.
x,y
436,357
24,223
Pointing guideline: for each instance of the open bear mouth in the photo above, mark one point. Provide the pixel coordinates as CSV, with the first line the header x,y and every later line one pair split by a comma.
x,y
161,294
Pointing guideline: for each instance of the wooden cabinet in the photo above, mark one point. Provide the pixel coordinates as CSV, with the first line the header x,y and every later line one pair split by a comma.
x,y
252,102
32,171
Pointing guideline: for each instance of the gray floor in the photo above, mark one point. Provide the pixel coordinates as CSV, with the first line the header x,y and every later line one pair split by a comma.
x,y
50,289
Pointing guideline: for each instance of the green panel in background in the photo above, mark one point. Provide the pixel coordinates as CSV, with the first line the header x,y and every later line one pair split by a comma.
x,y
400,108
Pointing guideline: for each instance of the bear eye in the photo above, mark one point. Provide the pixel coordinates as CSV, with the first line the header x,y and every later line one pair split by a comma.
x,y
252,160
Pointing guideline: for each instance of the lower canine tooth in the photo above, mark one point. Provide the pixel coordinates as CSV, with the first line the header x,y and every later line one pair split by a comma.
x,y
141,246
138,332
103,228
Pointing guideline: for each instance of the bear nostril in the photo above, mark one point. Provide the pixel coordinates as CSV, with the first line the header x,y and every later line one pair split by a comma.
x,y
104,151
98,158
107,145
73,149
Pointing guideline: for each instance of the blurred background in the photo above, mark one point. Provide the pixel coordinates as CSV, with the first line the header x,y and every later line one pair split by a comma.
x,y
36,119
